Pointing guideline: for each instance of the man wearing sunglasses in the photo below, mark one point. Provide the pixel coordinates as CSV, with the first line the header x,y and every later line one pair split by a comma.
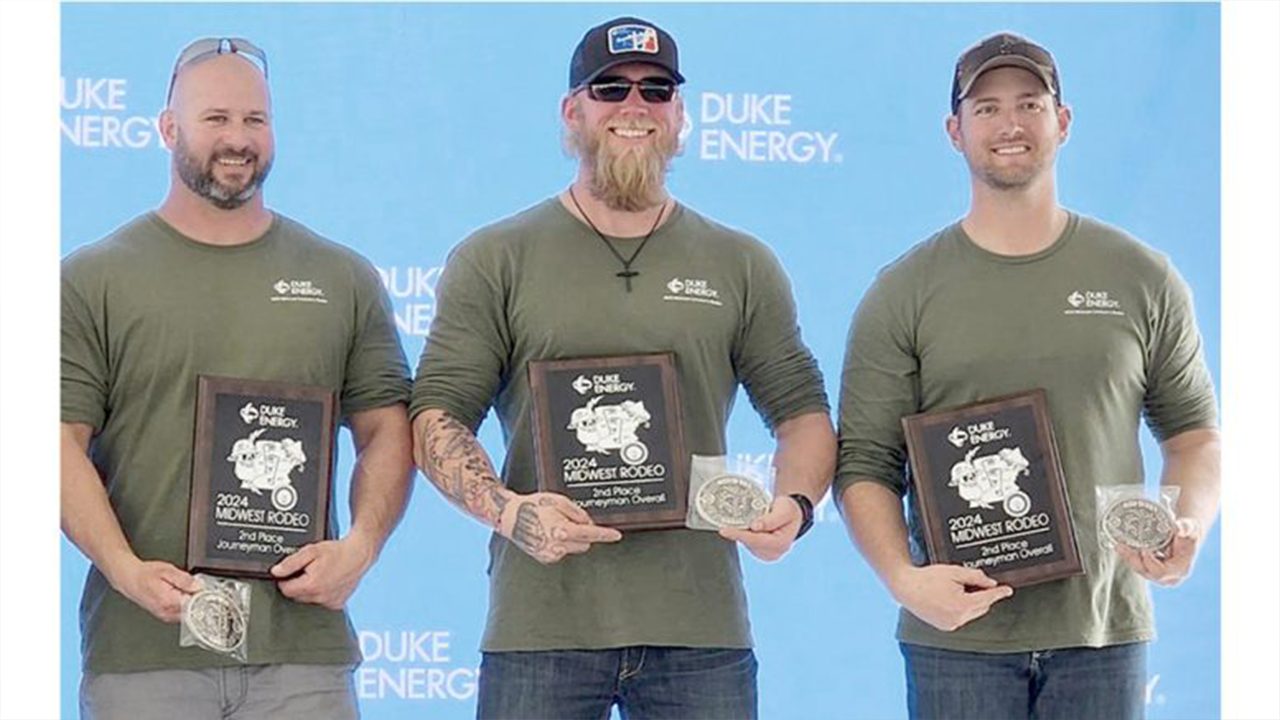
x,y
205,285
583,617
1124,347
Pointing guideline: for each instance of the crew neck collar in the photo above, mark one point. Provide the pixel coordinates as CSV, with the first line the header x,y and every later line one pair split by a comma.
x,y
1068,232
253,244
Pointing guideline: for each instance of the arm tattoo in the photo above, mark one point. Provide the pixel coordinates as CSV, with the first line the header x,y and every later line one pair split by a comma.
x,y
499,500
457,465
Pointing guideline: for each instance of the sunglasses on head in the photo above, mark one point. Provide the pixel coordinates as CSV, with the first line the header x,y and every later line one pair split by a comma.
x,y
215,46
616,89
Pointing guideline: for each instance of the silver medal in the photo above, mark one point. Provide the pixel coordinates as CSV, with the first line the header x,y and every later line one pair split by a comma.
x,y
216,620
1140,523
731,501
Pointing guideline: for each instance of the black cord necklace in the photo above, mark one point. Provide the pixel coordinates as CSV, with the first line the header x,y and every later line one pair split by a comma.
x,y
626,273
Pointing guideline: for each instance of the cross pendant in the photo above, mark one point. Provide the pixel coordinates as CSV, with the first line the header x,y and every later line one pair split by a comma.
x,y
627,275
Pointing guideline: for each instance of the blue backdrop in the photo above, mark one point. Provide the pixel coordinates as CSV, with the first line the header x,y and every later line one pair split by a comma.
x,y
819,128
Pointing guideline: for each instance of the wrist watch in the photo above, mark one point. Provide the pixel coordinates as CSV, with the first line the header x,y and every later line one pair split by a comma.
x,y
806,513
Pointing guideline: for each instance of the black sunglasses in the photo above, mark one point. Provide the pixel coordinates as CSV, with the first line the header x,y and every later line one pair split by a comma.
x,y
616,89
205,47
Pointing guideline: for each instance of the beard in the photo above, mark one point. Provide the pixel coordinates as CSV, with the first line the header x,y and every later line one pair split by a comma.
x,y
198,176
629,178
1009,177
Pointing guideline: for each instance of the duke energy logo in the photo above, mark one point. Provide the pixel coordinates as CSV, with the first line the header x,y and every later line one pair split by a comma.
x,y
95,114
413,664
697,290
633,38
756,128
1092,302
298,291
607,384
413,291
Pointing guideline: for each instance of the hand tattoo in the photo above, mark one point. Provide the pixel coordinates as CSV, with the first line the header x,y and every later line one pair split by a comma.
x,y
528,534
499,500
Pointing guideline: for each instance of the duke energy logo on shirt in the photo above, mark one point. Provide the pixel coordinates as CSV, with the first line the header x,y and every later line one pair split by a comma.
x,y
633,38
1092,302
297,291
698,290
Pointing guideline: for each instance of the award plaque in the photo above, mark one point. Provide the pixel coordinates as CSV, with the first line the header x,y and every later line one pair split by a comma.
x,y
990,489
608,435
261,474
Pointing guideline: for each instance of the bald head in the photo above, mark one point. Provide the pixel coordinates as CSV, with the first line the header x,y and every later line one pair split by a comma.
x,y
225,80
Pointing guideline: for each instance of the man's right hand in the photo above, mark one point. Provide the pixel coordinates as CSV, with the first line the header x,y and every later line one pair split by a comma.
x,y
940,594
156,586
547,526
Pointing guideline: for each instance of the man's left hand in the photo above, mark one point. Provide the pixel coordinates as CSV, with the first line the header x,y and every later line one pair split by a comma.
x,y
769,536
1173,564
324,573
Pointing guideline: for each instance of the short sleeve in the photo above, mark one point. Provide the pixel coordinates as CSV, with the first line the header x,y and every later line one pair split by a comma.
x,y
85,381
377,374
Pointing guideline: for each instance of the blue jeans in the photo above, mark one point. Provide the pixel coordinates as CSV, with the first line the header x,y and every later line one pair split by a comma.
x,y
646,682
1069,684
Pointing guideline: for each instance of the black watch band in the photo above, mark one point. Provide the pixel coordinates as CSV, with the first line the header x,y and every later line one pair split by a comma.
x,y
806,513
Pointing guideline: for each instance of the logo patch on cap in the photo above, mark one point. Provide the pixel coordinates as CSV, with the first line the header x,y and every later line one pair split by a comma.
x,y
633,38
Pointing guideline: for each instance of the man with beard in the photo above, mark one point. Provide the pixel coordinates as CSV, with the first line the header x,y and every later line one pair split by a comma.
x,y
581,616
195,288
991,306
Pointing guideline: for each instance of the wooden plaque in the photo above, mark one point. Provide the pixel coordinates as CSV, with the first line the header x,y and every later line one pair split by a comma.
x,y
608,434
262,474
990,489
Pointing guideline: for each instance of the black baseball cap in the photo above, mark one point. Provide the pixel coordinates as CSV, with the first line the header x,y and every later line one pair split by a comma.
x,y
622,40
1003,50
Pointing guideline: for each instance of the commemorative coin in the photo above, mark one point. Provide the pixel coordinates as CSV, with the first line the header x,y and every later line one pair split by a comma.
x,y
216,620
731,501
1140,523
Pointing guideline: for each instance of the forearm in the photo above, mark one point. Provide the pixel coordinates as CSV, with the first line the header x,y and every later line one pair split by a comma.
x,y
873,516
805,456
87,517
1192,461
383,478
453,460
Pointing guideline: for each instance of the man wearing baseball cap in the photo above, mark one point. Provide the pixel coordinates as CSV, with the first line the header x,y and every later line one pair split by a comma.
x,y
991,306
581,616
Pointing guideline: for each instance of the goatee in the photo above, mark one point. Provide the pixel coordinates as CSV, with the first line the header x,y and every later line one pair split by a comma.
x,y
630,178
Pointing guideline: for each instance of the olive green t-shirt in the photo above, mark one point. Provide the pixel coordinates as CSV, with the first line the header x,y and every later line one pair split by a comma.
x,y
144,312
1100,321
542,285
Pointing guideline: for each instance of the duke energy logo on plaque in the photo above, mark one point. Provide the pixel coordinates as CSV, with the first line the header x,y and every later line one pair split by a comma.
x,y
261,476
608,435
990,489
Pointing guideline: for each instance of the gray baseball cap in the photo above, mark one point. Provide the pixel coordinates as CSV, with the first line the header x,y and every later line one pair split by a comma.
x,y
1003,49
